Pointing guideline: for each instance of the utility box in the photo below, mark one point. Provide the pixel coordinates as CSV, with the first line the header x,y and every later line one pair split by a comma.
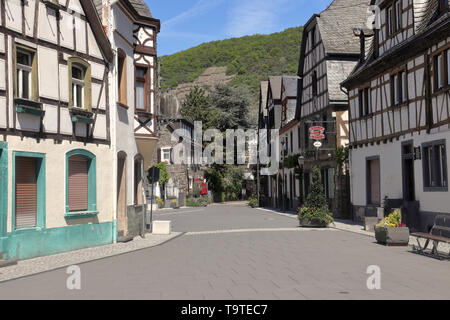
x,y
161,227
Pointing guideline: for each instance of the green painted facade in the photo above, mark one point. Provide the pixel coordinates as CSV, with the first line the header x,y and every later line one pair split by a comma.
x,y
39,241
3,191
30,243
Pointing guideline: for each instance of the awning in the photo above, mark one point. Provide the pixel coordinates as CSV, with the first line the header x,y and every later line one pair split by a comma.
x,y
146,147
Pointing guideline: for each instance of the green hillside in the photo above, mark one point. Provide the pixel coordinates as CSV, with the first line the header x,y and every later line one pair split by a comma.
x,y
251,58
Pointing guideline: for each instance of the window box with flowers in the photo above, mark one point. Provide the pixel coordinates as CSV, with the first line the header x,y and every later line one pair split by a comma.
x,y
391,231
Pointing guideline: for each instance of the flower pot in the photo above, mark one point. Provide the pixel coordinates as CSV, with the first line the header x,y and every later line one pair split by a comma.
x,y
306,223
391,236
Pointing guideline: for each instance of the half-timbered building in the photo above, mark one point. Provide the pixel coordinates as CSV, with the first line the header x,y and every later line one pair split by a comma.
x,y
329,52
132,32
400,114
55,128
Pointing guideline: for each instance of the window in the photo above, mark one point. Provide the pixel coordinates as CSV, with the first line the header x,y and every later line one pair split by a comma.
x,y
141,88
81,185
166,155
447,54
394,18
399,88
292,142
313,37
299,133
390,22
441,70
373,181
77,87
29,190
443,4
26,75
398,16
122,77
79,84
435,166
365,108
314,83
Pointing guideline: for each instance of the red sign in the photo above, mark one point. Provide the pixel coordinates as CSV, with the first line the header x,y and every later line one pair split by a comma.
x,y
317,133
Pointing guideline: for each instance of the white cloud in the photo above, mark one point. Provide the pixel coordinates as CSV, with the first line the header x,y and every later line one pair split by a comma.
x,y
248,17
200,7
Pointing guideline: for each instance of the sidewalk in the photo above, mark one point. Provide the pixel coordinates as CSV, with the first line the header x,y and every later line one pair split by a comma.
x,y
351,226
43,264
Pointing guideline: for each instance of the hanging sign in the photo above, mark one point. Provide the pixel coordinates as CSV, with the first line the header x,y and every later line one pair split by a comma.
x,y
317,144
317,133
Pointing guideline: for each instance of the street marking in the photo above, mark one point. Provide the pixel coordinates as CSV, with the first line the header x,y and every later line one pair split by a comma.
x,y
257,230
180,212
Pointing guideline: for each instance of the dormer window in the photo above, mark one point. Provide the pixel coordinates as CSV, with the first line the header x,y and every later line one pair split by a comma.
x,y
394,18
390,22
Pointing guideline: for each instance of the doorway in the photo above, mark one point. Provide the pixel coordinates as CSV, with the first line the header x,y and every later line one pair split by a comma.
x,y
409,192
121,195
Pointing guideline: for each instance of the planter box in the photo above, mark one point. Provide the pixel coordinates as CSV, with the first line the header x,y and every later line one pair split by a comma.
x,y
305,223
390,236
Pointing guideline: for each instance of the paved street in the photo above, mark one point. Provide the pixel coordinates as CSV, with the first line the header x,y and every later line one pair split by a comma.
x,y
234,252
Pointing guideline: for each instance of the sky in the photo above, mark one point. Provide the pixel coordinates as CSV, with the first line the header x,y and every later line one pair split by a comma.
x,y
188,23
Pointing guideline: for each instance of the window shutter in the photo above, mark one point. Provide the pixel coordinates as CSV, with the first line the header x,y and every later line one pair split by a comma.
x,y
159,155
78,183
26,192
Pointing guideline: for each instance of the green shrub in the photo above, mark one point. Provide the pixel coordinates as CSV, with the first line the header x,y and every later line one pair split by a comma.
x,y
316,207
253,202
319,216
192,203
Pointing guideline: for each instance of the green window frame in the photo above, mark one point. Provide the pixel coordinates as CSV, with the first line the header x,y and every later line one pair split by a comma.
x,y
3,188
41,190
92,184
87,79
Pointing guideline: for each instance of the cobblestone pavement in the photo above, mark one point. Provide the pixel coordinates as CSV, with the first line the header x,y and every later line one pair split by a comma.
x,y
234,252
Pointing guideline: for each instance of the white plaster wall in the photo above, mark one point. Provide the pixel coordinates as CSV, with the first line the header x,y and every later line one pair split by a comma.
x,y
391,173
48,65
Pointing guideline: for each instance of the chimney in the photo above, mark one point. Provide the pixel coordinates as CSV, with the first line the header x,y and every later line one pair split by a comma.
x,y
106,7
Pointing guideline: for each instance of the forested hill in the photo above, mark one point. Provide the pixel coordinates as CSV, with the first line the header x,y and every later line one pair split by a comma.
x,y
251,58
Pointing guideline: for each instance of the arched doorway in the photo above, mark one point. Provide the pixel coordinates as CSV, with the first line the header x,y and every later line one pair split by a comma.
x,y
121,194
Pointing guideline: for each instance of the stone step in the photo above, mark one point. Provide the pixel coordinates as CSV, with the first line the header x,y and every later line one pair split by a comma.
x,y
7,263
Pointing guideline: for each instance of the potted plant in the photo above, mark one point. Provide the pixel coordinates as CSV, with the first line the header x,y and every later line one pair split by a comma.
x,y
174,204
391,231
315,213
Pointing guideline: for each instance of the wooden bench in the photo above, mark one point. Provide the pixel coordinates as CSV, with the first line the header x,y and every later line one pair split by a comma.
x,y
440,233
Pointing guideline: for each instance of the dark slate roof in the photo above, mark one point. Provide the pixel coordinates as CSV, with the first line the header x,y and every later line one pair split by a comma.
x,y
290,84
336,24
264,88
275,85
139,5
141,8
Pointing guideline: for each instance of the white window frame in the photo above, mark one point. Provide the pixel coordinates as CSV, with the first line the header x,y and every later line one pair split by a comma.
x,y
398,15
390,22
21,68
163,151
78,83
